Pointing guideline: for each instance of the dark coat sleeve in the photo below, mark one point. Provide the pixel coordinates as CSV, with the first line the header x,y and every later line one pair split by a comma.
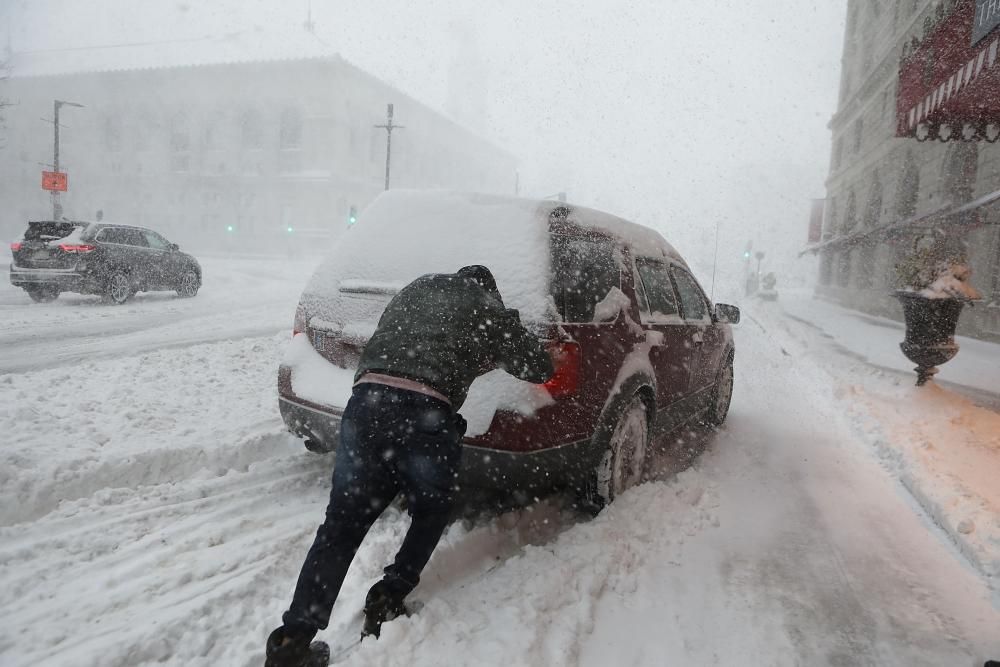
x,y
517,351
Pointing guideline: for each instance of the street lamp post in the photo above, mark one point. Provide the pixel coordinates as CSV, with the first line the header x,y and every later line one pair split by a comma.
x,y
56,207
388,127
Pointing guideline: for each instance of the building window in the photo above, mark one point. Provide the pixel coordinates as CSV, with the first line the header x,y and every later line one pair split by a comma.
x,y
995,279
850,215
961,166
213,128
825,268
873,210
113,133
844,268
252,130
859,127
291,130
908,190
180,143
838,152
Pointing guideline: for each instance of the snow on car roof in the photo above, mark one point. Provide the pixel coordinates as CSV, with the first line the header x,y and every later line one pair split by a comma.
x,y
404,234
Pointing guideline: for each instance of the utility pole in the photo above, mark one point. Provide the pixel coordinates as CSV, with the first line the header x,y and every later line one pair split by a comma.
x,y
56,207
388,127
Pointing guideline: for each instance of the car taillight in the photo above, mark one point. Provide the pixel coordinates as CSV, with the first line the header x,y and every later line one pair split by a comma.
x,y
15,246
567,360
76,247
299,324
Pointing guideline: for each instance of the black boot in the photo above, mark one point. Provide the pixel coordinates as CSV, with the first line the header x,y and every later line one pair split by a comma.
x,y
383,603
286,648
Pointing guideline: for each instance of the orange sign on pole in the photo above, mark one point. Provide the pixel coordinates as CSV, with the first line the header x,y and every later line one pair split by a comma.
x,y
54,180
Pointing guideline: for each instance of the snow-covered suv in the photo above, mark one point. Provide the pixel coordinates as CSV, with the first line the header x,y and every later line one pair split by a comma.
x,y
637,346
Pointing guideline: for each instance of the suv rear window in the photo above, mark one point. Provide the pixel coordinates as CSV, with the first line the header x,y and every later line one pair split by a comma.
x,y
49,231
583,272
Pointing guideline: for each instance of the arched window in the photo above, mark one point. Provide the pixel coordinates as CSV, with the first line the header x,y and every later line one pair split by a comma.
x,y
908,189
850,215
961,166
873,210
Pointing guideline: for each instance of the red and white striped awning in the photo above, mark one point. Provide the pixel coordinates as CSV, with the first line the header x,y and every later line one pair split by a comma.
x,y
949,89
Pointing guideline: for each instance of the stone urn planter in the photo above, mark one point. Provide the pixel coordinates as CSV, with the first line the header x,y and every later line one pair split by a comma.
x,y
930,331
935,280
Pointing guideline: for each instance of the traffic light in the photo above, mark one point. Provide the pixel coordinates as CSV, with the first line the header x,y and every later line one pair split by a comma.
x,y
289,229
746,254
352,217
230,229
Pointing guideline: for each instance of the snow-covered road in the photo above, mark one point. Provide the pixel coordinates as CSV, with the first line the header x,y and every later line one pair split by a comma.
x,y
239,298
152,511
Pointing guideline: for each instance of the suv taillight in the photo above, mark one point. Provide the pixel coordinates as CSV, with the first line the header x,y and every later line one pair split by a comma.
x,y
15,246
299,324
568,362
76,247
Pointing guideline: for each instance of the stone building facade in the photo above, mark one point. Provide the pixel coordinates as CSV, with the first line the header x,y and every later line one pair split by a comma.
x,y
250,156
885,191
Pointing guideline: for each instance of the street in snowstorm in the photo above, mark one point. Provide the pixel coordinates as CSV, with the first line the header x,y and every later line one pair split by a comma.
x,y
161,486
416,334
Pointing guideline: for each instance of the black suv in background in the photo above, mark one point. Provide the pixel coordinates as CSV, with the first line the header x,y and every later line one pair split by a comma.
x,y
115,261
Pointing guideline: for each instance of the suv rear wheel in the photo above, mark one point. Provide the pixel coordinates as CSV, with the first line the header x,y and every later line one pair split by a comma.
x,y
119,288
625,442
42,294
722,395
188,285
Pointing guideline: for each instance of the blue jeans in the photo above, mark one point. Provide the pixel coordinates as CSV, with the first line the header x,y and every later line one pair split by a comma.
x,y
392,441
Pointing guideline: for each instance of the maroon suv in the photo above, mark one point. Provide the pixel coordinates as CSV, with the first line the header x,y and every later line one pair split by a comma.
x,y
638,348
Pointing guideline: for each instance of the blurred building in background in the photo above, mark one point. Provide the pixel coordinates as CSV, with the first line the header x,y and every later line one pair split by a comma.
x,y
914,149
249,155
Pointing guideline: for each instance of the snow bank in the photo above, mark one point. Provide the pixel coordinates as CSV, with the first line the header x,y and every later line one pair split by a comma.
x,y
147,419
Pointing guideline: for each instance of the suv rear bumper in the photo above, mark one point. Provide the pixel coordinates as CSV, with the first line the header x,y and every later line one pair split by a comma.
x,y
483,468
69,280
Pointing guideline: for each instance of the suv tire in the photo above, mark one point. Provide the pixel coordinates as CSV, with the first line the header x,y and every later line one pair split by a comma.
x,y
118,289
188,285
722,395
623,441
42,294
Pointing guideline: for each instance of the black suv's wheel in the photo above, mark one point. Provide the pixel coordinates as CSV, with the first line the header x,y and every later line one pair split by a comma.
x,y
722,395
624,442
118,289
42,294
188,285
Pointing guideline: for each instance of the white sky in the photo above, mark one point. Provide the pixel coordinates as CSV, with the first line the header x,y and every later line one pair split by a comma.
x,y
676,114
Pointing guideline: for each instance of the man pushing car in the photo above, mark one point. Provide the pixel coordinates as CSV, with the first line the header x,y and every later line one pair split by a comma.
x,y
401,432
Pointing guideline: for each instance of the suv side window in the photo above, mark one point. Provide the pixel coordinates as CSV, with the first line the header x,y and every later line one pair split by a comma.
x,y
658,289
693,301
155,241
584,271
110,235
134,237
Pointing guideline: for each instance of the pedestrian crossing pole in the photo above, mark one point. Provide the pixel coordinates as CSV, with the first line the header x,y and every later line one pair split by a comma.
x,y
388,127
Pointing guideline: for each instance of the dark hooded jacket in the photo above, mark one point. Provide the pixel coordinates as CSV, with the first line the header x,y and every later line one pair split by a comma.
x,y
445,330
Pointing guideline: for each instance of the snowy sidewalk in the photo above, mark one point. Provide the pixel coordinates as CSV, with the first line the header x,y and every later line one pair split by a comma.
x,y
974,372
942,440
